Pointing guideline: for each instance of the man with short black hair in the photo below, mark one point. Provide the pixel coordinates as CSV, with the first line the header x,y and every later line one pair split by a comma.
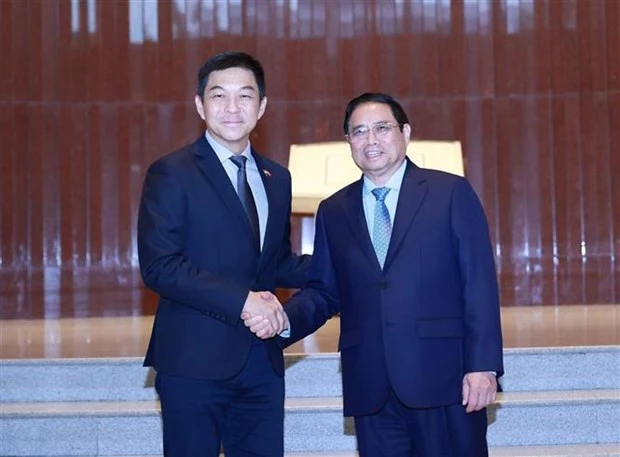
x,y
213,242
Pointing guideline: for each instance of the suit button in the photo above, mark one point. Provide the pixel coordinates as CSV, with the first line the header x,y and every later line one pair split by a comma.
x,y
383,285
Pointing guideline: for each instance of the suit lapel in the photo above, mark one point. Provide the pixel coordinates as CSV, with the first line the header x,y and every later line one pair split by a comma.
x,y
212,168
354,211
412,193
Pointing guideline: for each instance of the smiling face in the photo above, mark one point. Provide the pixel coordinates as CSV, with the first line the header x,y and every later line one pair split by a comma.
x,y
378,156
231,107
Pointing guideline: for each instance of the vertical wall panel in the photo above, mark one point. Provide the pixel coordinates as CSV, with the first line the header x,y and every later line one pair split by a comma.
x,y
612,44
94,90
8,191
543,233
614,187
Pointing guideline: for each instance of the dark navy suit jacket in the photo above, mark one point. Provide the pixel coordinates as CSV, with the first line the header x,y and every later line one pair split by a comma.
x,y
197,252
430,316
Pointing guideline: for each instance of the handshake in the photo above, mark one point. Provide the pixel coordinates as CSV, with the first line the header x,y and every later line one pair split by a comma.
x,y
263,314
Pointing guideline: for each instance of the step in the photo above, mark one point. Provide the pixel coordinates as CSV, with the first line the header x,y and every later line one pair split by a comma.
x,y
561,368
316,375
311,424
92,379
555,417
583,450
575,450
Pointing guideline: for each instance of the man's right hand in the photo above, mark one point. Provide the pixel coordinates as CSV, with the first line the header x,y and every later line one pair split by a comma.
x,y
265,308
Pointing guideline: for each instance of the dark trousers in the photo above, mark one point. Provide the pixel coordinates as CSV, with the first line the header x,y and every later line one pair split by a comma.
x,y
400,431
244,414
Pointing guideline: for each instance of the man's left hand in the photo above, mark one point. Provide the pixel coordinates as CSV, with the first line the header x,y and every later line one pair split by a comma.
x,y
479,390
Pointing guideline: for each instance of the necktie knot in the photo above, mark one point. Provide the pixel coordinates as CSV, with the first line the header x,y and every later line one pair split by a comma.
x,y
380,193
239,161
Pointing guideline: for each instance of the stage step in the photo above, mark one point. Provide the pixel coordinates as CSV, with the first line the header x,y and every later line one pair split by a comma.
x,y
312,424
553,397
585,450
581,450
317,375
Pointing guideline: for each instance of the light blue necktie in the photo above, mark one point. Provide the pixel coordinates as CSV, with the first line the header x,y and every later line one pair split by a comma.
x,y
382,228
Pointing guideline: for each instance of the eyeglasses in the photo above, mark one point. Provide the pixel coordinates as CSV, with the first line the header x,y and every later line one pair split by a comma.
x,y
360,133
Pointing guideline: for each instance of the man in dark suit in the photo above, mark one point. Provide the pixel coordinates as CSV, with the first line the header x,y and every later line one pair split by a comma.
x,y
213,232
404,256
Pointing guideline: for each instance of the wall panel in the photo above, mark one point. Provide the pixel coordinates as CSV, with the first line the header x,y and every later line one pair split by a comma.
x,y
93,90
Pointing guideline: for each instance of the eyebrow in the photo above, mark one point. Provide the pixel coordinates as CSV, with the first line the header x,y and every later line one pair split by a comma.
x,y
218,87
374,123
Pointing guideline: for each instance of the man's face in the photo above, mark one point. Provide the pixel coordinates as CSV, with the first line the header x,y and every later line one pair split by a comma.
x,y
231,107
381,147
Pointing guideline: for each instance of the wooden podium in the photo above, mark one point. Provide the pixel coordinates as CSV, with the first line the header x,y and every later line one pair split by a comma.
x,y
320,169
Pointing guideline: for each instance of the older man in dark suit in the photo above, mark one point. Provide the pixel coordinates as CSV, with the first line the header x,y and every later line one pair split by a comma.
x,y
404,256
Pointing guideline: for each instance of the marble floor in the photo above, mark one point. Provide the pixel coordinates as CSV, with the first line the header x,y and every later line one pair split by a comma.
x,y
120,335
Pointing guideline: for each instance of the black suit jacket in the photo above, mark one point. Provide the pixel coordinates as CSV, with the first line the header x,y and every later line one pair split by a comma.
x,y
197,252
428,317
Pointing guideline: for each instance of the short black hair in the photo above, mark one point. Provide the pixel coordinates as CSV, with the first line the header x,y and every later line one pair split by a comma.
x,y
225,60
375,97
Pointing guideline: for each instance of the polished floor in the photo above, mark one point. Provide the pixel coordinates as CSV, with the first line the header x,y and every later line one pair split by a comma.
x,y
121,335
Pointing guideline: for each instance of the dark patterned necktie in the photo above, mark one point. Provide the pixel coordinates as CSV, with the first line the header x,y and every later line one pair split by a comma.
x,y
246,197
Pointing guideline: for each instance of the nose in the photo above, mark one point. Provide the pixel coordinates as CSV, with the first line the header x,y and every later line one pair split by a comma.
x,y
371,137
232,105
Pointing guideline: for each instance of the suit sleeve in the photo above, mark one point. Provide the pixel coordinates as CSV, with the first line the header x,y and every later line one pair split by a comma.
x,y
483,334
161,243
312,306
292,268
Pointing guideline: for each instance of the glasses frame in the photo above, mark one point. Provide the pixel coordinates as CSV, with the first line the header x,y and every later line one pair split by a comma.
x,y
366,131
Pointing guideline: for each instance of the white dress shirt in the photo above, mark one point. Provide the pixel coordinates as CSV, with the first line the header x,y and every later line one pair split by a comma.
x,y
391,199
254,180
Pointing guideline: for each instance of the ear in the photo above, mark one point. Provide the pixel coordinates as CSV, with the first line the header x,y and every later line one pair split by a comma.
x,y
407,132
262,107
200,107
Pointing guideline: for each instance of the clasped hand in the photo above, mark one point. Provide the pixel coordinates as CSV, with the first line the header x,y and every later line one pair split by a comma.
x,y
263,314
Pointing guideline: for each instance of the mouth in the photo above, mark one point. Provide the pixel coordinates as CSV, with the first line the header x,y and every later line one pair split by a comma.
x,y
372,154
232,122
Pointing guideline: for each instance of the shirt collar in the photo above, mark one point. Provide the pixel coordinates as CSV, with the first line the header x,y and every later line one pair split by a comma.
x,y
393,183
223,153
